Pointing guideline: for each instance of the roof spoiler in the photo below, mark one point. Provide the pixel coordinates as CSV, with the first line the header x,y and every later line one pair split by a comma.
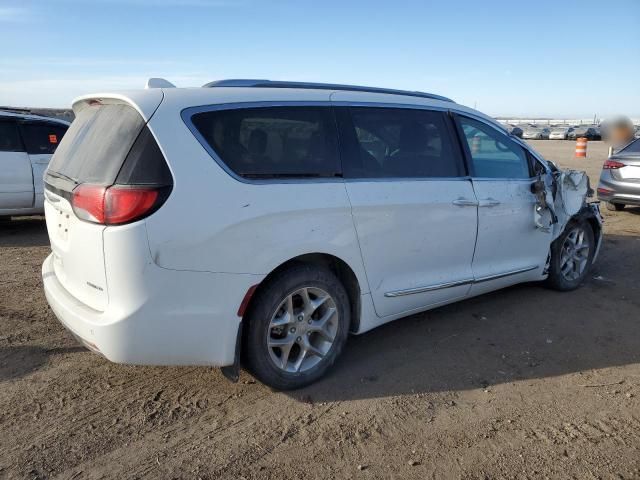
x,y
159,83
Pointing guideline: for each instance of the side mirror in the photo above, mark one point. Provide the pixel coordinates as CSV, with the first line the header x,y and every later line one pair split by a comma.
x,y
537,187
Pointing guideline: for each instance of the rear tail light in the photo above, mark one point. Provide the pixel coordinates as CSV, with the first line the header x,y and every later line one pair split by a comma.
x,y
117,204
612,165
604,191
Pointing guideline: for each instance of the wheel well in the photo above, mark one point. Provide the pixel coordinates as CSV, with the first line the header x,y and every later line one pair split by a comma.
x,y
587,215
595,226
339,268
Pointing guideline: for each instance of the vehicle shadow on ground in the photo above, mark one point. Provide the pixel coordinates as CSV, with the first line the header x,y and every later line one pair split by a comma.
x,y
23,232
633,210
19,361
524,332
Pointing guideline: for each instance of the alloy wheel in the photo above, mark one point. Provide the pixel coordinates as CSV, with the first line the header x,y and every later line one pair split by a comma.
x,y
302,330
574,254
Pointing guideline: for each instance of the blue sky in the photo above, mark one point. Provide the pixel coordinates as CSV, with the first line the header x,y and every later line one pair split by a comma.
x,y
529,58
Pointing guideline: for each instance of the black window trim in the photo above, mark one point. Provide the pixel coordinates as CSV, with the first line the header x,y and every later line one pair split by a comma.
x,y
343,113
467,153
188,113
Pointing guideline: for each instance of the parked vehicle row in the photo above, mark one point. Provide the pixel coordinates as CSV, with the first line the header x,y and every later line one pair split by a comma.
x,y
559,132
26,145
265,221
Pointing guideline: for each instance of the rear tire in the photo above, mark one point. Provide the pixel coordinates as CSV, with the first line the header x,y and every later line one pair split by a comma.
x,y
298,324
571,256
615,207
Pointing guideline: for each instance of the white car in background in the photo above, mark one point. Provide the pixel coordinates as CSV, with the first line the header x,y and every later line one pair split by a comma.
x,y
560,133
268,220
27,143
536,133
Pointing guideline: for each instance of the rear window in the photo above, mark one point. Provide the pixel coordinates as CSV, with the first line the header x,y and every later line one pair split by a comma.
x,y
633,147
273,142
97,143
42,138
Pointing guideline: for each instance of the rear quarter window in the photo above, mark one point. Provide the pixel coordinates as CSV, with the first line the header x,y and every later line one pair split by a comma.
x,y
273,142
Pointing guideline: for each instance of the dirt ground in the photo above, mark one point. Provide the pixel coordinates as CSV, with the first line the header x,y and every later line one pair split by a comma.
x,y
521,383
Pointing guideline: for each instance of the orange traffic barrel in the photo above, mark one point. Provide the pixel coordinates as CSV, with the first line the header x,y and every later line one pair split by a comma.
x,y
475,144
581,147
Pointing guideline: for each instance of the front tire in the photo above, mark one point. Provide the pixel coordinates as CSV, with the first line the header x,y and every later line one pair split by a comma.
x,y
297,327
571,256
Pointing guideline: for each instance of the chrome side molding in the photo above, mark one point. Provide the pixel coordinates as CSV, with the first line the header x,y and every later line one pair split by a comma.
x,y
467,281
505,274
439,286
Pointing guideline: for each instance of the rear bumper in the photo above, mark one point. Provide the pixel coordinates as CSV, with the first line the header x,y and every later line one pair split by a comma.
x,y
181,318
627,193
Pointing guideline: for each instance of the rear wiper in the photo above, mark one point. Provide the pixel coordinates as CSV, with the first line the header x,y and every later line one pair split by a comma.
x,y
62,176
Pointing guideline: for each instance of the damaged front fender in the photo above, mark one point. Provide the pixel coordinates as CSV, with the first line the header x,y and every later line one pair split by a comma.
x,y
562,196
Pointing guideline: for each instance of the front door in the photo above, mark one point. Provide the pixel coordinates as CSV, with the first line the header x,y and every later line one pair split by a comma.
x,y
413,208
510,248
16,178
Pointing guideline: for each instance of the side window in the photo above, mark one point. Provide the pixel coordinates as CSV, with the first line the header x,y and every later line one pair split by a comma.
x,y
400,143
10,137
493,154
42,137
273,141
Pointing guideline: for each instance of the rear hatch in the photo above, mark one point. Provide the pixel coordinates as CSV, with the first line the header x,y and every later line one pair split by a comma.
x,y
106,146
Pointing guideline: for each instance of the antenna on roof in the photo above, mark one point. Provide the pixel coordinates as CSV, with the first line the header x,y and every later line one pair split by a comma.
x,y
159,83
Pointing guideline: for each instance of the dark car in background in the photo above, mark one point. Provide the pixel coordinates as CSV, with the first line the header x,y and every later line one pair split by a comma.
x,y
620,178
514,130
590,133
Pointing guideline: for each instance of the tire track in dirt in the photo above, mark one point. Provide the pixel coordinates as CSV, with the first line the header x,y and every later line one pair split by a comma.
x,y
213,431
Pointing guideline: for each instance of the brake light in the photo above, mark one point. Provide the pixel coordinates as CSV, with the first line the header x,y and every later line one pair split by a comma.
x,y
114,205
604,191
612,165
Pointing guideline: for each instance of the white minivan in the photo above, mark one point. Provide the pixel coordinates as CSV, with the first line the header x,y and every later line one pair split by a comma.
x,y
26,145
264,221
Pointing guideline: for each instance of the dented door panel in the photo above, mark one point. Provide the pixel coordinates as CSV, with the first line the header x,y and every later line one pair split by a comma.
x,y
509,247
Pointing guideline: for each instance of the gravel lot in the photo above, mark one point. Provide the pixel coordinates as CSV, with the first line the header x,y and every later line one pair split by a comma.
x,y
521,383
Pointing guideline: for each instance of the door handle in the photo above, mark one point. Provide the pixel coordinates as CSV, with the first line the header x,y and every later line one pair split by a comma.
x,y
489,202
465,202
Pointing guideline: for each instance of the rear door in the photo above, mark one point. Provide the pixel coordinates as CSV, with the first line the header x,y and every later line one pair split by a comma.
x,y
16,180
509,248
413,208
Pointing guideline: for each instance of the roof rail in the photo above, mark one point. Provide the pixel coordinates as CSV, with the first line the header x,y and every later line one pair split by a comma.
x,y
319,86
